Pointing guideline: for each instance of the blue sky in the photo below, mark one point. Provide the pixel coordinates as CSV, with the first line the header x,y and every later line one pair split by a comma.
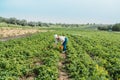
x,y
63,11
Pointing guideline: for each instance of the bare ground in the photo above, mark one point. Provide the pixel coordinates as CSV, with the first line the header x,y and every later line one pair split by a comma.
x,y
62,74
10,33
28,78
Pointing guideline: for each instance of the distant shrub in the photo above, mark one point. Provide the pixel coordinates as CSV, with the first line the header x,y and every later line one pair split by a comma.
x,y
105,28
3,24
116,27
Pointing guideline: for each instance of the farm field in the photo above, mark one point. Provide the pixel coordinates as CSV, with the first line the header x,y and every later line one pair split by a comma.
x,y
91,55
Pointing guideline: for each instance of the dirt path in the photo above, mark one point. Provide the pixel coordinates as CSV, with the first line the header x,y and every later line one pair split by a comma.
x,y
62,74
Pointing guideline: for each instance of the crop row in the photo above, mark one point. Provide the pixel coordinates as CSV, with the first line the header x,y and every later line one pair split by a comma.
x,y
90,58
33,56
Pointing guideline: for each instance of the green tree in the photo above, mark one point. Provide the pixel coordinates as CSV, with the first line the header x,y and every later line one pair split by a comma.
x,y
23,22
12,20
33,24
116,27
1,19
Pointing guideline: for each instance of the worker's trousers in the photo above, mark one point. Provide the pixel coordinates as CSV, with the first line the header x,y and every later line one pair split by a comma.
x,y
64,44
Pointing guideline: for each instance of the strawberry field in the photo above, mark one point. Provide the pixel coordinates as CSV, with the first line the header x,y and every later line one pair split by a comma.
x,y
91,55
94,56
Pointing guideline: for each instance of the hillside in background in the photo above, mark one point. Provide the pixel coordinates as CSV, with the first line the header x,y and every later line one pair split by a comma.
x,y
13,22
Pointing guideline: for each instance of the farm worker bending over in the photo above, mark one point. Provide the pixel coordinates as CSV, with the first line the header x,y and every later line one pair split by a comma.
x,y
63,41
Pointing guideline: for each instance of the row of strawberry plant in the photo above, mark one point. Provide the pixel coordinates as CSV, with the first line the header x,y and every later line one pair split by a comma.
x,y
80,66
104,53
32,56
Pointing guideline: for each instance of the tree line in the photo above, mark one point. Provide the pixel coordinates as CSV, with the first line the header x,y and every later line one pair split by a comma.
x,y
24,22
115,27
